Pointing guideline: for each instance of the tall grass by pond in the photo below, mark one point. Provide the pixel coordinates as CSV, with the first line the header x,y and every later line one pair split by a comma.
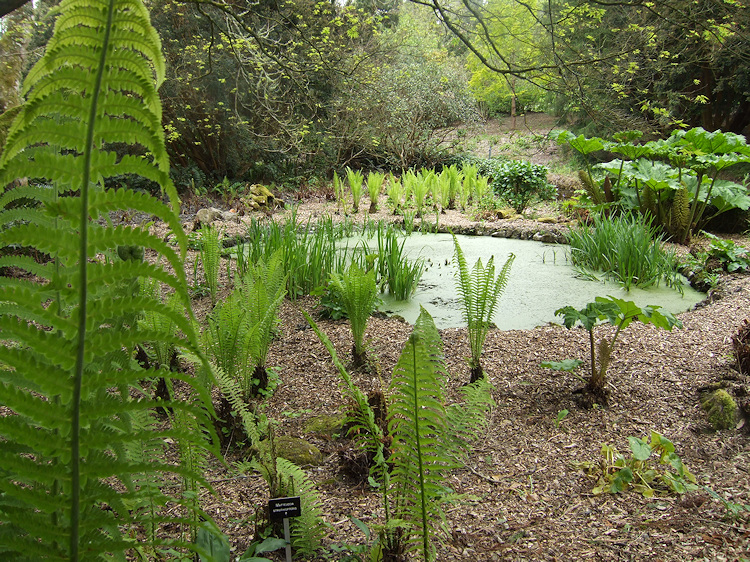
x,y
626,249
311,252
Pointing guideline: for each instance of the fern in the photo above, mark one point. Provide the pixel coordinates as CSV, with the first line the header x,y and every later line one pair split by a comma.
x,y
283,477
261,293
480,291
308,529
81,437
225,339
210,257
364,425
359,293
417,421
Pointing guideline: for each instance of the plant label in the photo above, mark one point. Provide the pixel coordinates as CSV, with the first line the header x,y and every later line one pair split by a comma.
x,y
283,508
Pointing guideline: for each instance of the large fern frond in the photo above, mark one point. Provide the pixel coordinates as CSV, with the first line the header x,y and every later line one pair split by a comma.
x,y
480,292
308,529
359,294
81,459
417,423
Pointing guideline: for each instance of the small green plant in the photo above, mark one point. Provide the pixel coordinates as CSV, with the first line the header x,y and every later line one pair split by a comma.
x,y
721,409
627,249
261,293
561,415
395,193
358,290
652,468
397,272
210,253
374,185
421,186
355,179
339,193
480,291
621,314
732,256
520,182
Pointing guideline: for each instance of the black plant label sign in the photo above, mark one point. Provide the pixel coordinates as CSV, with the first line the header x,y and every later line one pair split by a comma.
x,y
282,508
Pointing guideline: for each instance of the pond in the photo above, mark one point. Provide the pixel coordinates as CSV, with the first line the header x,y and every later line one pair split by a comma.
x,y
541,281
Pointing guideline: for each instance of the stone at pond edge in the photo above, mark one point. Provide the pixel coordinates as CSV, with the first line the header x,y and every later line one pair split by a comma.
x,y
298,451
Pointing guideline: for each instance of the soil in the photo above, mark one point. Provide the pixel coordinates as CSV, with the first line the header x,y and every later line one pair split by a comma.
x,y
522,492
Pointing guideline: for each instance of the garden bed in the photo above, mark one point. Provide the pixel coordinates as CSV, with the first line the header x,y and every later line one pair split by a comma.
x,y
522,496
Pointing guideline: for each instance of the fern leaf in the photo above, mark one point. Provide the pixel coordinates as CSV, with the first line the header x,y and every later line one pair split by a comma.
x,y
417,423
82,459
308,529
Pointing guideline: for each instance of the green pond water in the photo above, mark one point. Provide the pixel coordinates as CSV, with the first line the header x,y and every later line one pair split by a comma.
x,y
541,281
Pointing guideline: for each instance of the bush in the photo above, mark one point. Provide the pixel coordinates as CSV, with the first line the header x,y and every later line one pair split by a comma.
x,y
520,182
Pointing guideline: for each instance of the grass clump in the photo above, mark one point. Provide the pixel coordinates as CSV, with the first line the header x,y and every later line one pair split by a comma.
x,y
627,249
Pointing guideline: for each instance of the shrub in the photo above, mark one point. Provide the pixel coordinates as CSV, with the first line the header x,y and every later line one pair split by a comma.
x,y
520,182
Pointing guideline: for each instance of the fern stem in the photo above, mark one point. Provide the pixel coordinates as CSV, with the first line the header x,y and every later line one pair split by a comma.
x,y
418,443
75,460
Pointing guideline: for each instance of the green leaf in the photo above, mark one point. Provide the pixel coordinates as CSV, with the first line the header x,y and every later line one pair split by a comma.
x,y
213,543
621,480
564,365
641,449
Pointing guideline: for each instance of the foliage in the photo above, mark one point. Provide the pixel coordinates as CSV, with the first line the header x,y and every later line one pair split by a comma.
x,y
162,352
733,257
374,185
396,271
617,473
403,116
210,253
618,313
283,477
480,292
626,249
520,182
364,426
721,409
261,292
82,459
516,40
355,179
675,181
427,437
358,291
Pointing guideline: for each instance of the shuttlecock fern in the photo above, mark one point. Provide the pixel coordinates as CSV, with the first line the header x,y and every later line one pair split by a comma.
x,y
262,291
480,292
417,421
71,483
359,294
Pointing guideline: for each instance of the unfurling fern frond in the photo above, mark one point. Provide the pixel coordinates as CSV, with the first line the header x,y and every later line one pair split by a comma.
x,y
81,459
417,422
480,291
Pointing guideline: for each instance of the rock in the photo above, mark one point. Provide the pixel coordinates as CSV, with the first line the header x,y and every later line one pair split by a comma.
x,y
721,409
547,220
205,217
259,197
325,425
298,451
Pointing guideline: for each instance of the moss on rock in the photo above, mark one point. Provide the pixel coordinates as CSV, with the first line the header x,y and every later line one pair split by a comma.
x,y
721,409
298,451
